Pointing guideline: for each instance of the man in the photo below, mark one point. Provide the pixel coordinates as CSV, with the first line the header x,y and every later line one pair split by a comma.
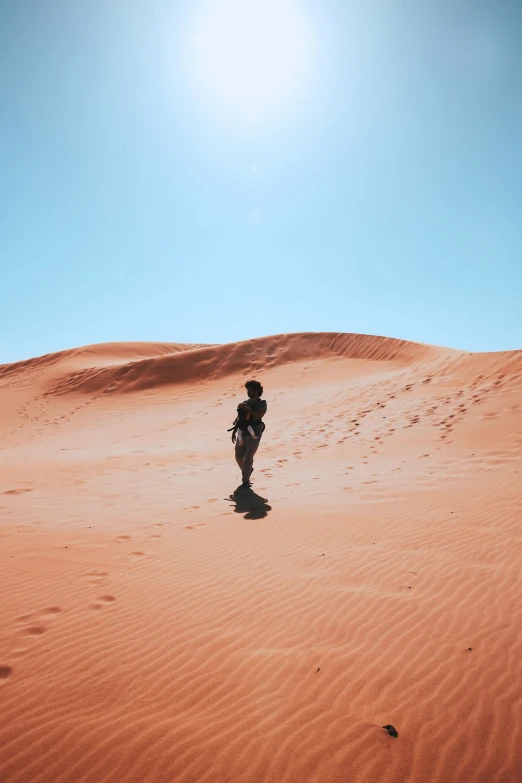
x,y
245,451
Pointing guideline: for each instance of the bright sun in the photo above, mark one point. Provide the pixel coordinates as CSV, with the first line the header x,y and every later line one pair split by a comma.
x,y
251,53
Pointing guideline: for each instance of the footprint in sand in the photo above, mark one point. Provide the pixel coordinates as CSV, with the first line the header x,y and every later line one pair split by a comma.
x,y
119,539
97,576
34,630
5,672
31,621
25,618
102,601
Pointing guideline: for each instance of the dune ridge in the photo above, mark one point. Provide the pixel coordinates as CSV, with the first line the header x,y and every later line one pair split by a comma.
x,y
94,355
156,628
152,365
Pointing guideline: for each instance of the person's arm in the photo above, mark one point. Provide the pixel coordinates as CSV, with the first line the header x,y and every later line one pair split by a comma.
x,y
258,415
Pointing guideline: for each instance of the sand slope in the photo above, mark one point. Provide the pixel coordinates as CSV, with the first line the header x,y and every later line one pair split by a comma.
x,y
155,630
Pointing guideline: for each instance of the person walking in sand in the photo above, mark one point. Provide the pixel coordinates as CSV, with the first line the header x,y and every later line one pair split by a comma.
x,y
251,411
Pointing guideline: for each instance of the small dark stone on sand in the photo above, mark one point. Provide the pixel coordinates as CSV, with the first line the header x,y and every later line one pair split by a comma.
x,y
392,731
470,649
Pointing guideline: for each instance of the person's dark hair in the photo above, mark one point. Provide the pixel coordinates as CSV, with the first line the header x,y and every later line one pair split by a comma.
x,y
255,386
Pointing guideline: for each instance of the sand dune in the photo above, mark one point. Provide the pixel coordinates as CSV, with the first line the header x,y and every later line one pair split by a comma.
x,y
155,629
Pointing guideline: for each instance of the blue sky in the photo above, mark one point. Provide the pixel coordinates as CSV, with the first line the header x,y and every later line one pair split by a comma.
x,y
369,182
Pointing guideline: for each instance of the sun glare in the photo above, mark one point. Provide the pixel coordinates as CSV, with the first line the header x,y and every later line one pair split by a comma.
x,y
251,53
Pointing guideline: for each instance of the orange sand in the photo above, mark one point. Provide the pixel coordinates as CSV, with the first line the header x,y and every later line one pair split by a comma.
x,y
153,631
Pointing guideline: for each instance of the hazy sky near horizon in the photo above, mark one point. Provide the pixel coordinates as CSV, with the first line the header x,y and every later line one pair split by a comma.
x,y
216,170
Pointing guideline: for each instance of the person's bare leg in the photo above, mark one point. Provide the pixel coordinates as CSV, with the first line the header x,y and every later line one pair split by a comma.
x,y
248,461
240,454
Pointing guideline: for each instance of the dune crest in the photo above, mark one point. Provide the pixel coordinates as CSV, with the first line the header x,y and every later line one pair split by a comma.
x,y
94,355
125,367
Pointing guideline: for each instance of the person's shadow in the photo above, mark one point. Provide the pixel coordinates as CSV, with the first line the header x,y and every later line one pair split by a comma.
x,y
248,503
